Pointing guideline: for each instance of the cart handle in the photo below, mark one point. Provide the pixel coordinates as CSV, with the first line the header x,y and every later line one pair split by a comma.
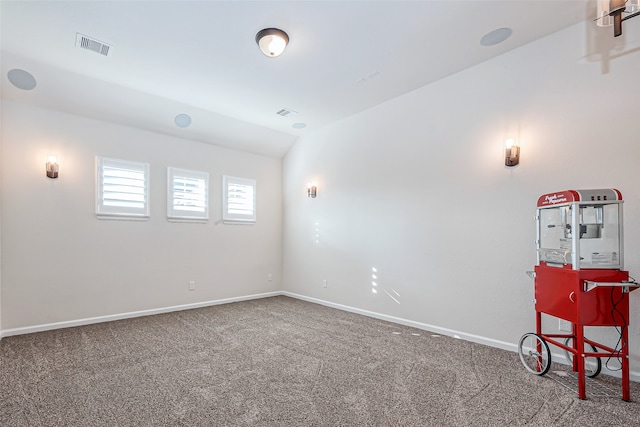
x,y
626,286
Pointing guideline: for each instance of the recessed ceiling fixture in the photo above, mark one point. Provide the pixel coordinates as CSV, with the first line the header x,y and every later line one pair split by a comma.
x,y
183,120
272,41
299,125
21,79
496,36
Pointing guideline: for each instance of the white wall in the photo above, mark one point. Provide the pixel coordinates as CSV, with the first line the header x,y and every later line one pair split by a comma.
x,y
417,187
1,192
60,263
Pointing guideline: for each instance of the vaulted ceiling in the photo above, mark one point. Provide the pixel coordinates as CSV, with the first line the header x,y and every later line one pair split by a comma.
x,y
200,58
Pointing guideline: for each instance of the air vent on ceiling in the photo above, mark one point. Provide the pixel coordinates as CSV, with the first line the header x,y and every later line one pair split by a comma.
x,y
372,75
93,45
286,113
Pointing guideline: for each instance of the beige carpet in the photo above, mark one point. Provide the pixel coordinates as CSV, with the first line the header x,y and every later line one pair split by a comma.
x,y
283,362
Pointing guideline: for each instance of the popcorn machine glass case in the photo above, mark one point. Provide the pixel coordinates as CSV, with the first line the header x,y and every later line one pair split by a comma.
x,y
580,228
579,277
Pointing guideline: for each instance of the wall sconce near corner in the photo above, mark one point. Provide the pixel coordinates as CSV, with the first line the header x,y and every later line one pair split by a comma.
x,y
312,190
610,12
52,167
511,153
272,41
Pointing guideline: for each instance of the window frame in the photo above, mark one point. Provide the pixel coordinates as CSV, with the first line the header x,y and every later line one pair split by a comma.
x,y
236,218
179,215
120,212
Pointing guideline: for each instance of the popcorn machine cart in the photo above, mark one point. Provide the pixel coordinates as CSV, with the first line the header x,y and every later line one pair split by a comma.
x,y
579,277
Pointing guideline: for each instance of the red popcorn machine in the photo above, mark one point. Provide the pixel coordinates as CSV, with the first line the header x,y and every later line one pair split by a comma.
x,y
579,277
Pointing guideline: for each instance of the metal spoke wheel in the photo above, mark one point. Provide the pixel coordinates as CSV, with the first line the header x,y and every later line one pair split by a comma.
x,y
592,365
534,353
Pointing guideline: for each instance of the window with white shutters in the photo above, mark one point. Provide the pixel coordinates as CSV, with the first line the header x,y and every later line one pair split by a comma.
x,y
122,189
238,200
188,195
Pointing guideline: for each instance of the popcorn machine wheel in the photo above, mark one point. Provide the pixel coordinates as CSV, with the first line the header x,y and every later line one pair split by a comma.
x,y
579,277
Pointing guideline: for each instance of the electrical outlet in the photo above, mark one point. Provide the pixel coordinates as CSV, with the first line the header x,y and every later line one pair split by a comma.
x,y
192,285
324,283
269,277
564,325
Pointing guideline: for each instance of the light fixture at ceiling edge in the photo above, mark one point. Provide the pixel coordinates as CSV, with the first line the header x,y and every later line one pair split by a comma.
x,y
272,41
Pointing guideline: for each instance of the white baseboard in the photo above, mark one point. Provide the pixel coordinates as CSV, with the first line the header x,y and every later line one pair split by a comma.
x,y
112,317
418,325
556,357
634,375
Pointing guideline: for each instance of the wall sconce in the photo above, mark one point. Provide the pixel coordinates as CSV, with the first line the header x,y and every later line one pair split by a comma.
x,y
52,167
272,41
511,153
312,190
609,12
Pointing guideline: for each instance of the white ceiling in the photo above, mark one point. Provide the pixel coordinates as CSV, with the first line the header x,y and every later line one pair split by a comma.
x,y
200,58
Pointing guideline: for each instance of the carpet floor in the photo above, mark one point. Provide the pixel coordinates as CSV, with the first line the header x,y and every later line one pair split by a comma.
x,y
284,362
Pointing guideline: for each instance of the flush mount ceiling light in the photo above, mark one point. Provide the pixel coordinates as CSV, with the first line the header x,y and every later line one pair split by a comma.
x,y
272,41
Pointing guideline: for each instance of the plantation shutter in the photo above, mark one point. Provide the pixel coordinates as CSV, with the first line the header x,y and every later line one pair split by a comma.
x,y
123,188
239,199
188,195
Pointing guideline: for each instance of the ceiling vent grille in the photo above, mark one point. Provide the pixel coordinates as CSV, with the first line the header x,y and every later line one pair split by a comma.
x,y
286,113
87,43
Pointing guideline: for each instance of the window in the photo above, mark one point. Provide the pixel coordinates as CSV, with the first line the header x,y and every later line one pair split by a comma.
x,y
188,195
122,189
238,200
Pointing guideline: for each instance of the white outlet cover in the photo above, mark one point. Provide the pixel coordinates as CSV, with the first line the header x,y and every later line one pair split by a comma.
x,y
564,325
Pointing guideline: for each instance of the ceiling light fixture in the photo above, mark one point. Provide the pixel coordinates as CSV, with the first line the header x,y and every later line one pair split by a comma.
x,y
272,41
609,12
